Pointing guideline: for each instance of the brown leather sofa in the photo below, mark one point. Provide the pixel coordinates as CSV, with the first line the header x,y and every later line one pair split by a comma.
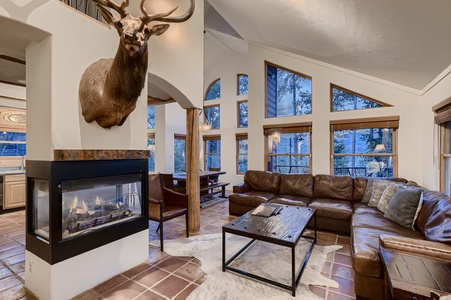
x,y
339,209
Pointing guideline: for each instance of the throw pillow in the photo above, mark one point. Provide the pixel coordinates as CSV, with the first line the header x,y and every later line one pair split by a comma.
x,y
403,207
386,197
376,194
369,188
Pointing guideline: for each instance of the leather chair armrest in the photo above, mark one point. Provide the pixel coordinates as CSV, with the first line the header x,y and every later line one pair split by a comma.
x,y
173,198
435,250
241,188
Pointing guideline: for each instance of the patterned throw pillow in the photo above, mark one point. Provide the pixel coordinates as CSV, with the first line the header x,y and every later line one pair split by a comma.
x,y
387,195
369,188
404,206
376,194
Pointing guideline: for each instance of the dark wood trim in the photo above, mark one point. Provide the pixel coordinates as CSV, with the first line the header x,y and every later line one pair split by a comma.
x,y
94,154
442,104
12,59
157,101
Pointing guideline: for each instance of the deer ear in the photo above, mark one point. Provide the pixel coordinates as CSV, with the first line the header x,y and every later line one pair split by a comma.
x,y
159,29
107,16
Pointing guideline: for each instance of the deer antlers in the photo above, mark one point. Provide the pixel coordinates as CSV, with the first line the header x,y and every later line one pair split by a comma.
x,y
146,18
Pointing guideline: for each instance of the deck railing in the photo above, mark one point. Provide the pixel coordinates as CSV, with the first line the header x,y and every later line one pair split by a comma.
x,y
86,7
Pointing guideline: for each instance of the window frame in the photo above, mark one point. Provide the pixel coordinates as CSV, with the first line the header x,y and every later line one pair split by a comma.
x,y
238,138
209,87
287,128
239,114
290,71
209,119
366,123
442,119
332,86
211,137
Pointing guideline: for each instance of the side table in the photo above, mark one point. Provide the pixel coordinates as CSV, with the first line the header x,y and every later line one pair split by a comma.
x,y
408,276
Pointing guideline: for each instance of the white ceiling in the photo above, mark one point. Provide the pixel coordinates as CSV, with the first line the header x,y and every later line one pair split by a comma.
x,y
407,42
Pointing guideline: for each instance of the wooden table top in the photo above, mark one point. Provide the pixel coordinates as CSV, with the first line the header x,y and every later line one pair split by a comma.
x,y
411,275
182,175
284,228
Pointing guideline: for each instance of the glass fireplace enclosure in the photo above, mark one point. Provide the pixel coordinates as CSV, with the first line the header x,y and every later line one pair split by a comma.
x,y
76,206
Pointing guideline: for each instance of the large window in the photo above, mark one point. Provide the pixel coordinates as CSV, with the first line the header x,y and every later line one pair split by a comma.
x,y
150,117
214,90
344,99
242,83
241,153
179,153
212,150
242,113
287,93
151,147
364,147
213,114
288,148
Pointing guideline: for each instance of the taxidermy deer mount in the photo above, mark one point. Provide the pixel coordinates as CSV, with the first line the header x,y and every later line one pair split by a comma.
x,y
109,88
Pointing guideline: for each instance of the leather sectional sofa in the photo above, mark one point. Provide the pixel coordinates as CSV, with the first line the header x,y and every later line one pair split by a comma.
x,y
338,200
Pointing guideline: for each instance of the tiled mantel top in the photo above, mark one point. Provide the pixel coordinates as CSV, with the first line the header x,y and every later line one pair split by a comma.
x,y
93,154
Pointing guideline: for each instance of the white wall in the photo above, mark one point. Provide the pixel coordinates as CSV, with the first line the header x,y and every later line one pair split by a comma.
x,y
406,103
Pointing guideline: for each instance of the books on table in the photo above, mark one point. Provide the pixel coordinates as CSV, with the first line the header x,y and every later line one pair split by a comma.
x,y
267,210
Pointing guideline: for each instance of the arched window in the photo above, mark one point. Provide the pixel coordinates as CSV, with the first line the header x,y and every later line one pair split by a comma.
x,y
214,90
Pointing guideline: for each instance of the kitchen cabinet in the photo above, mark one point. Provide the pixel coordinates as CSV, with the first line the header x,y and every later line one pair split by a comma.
x,y
13,191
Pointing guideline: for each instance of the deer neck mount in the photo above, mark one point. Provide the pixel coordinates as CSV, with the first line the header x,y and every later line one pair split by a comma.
x,y
109,88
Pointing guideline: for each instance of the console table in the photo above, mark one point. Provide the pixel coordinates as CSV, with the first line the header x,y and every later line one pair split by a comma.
x,y
415,277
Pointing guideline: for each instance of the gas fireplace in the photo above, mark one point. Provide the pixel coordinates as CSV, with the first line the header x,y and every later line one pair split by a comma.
x,y
78,205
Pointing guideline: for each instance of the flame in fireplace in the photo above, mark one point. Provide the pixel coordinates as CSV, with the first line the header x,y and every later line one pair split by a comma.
x,y
98,202
85,207
74,203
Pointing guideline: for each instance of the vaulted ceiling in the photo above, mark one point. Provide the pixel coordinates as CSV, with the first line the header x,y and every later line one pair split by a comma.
x,y
407,42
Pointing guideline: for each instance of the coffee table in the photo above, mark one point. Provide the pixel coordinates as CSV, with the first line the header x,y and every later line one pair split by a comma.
x,y
285,229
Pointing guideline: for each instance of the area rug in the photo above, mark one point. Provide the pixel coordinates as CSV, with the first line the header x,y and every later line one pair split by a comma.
x,y
263,259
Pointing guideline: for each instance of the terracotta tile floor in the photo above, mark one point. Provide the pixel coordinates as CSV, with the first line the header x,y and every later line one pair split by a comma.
x,y
162,276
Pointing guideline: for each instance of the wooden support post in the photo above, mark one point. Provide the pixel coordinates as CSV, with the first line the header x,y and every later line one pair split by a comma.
x,y
192,169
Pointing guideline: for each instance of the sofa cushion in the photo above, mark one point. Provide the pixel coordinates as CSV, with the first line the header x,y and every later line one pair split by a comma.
x,y
368,190
296,184
438,225
331,208
403,208
336,187
252,198
360,184
430,200
291,200
377,190
263,181
386,197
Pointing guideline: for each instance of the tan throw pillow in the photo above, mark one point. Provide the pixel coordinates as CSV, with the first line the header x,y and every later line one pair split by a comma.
x,y
378,188
387,195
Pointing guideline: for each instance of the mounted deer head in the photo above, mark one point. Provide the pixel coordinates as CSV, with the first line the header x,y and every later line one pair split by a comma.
x,y
109,88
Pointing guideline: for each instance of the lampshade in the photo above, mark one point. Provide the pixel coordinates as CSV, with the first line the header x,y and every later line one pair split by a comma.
x,y
204,124
276,137
379,148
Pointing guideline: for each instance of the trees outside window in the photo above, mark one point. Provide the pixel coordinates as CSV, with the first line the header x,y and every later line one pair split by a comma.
x,y
242,84
213,114
212,150
151,147
242,114
179,153
150,117
241,153
288,93
214,90
13,143
343,99
365,147
288,148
